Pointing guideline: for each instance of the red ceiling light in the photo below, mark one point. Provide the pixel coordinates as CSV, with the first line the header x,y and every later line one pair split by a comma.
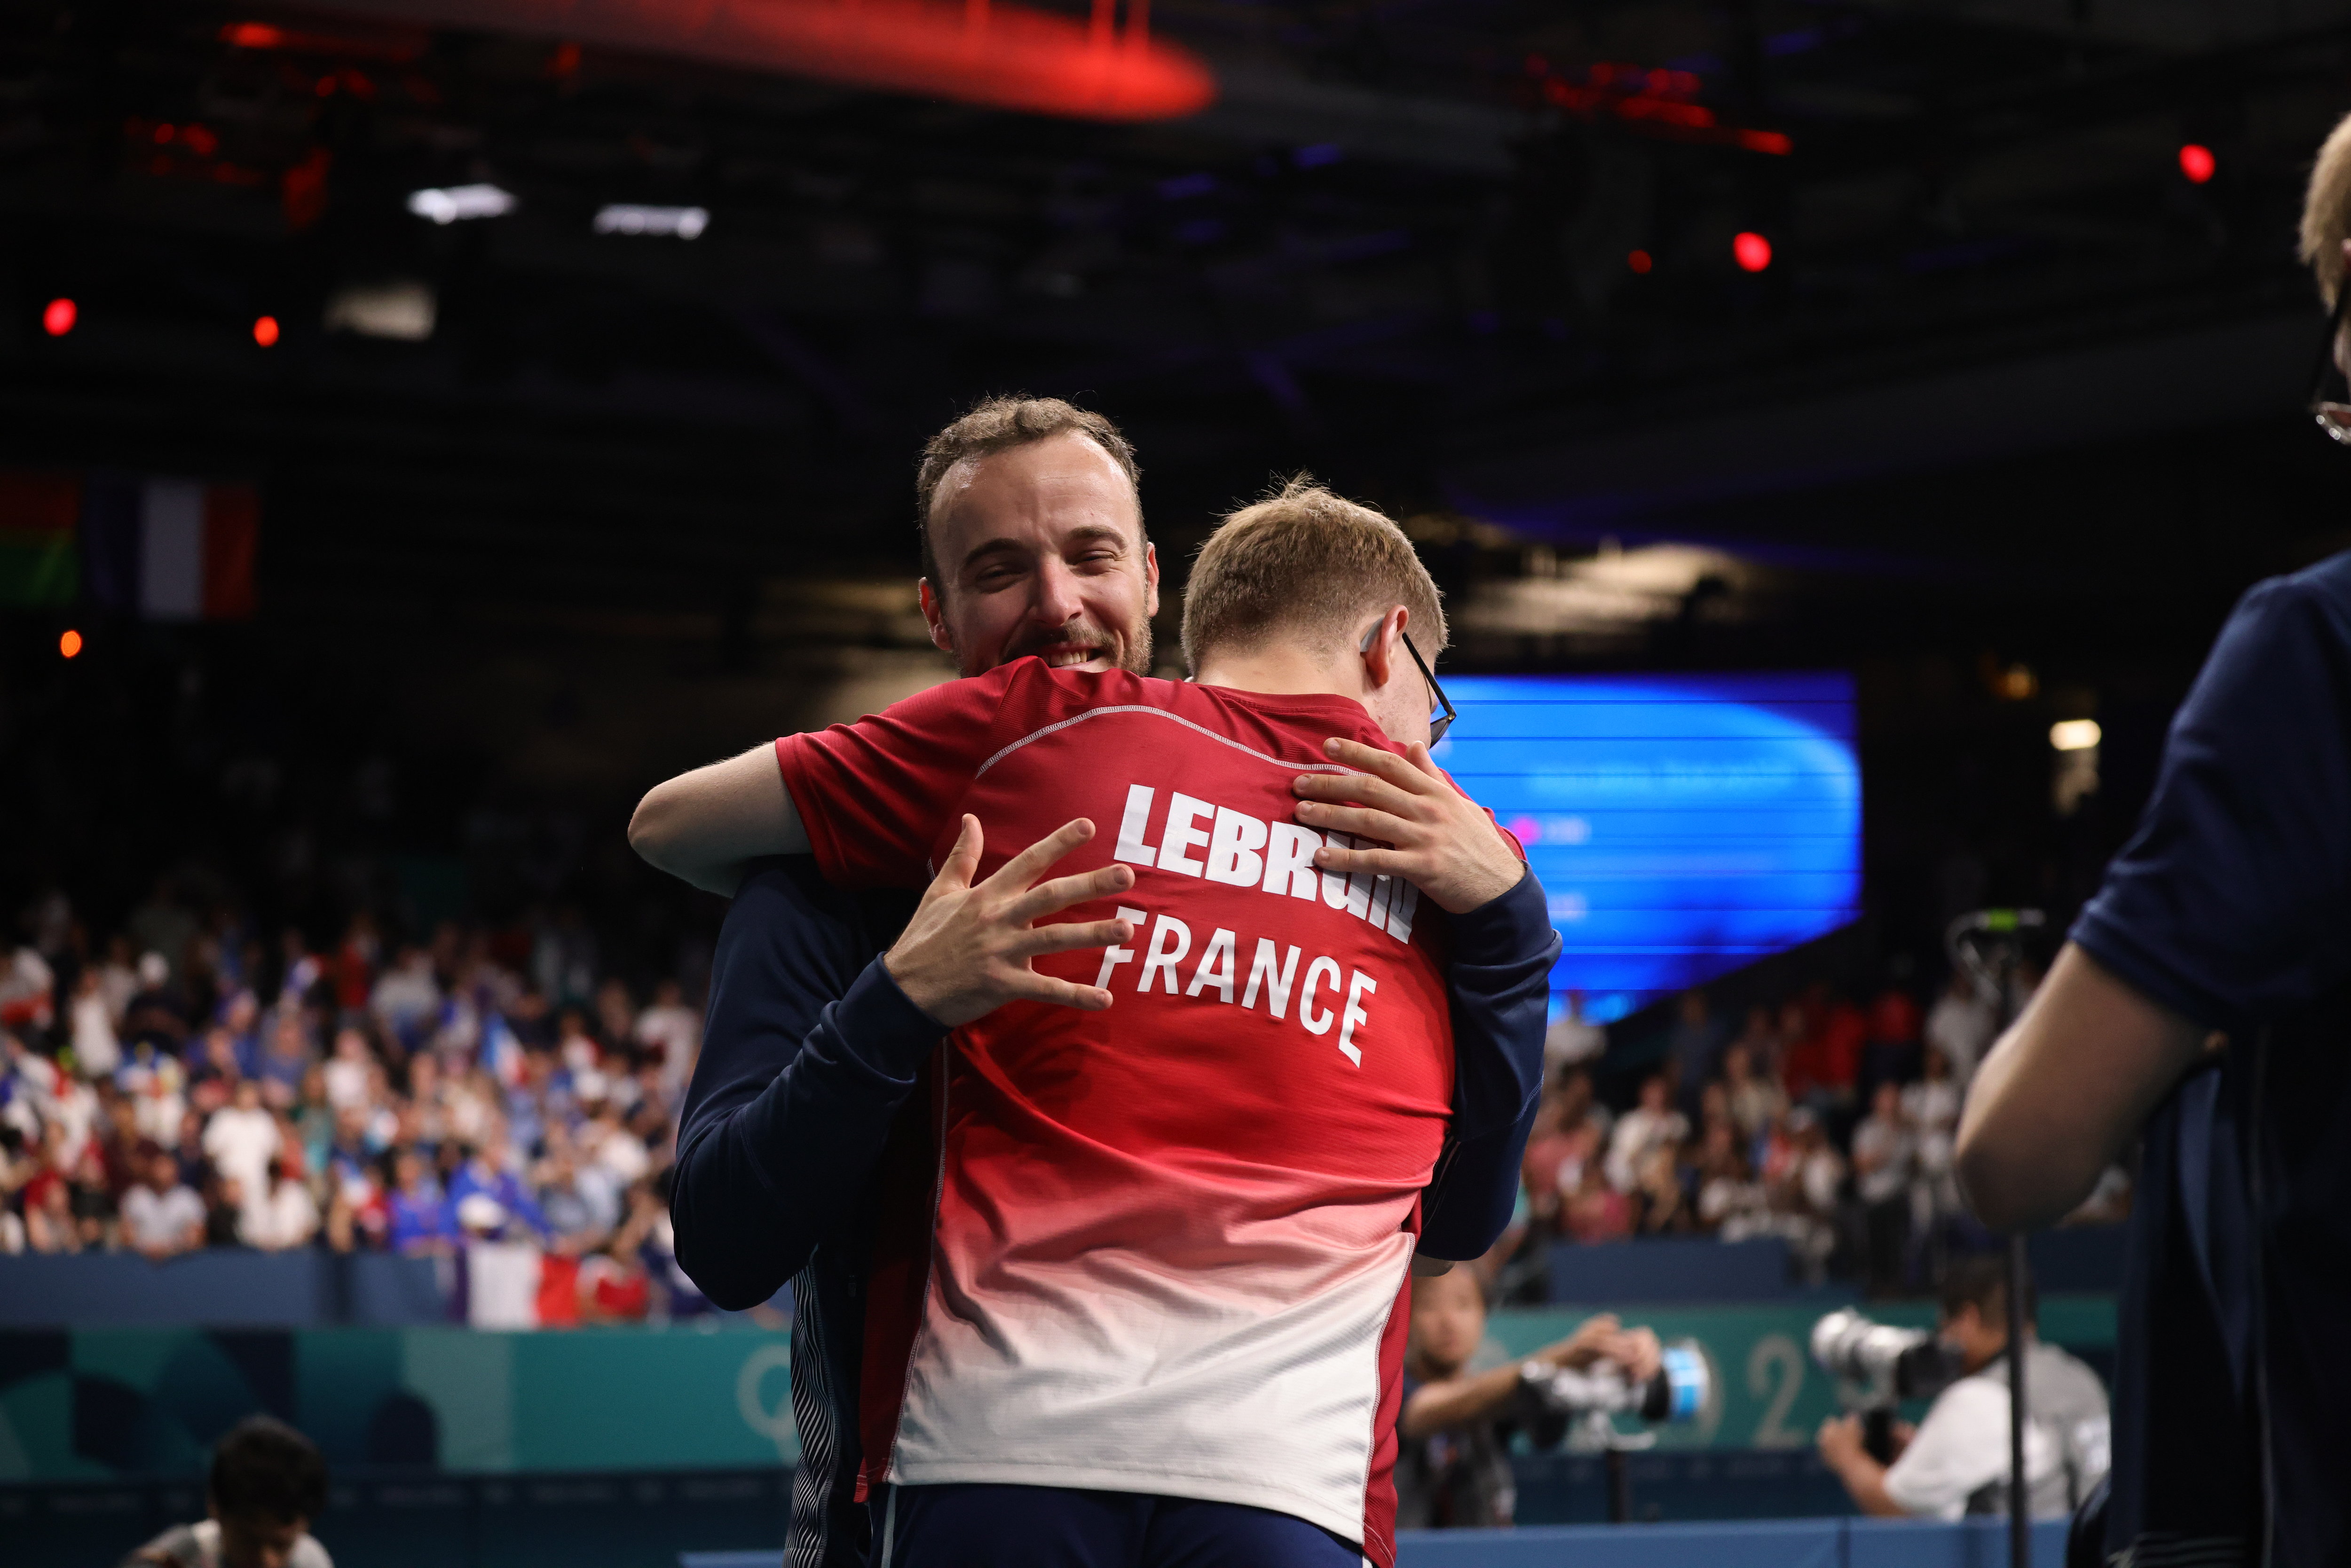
x,y
265,330
2196,162
58,318
1640,261
69,642
988,52
1752,251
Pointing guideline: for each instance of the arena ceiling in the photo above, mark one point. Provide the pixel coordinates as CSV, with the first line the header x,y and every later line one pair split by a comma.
x,y
1475,260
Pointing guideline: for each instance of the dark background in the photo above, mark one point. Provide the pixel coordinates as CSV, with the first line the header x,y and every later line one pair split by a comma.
x,y
2010,420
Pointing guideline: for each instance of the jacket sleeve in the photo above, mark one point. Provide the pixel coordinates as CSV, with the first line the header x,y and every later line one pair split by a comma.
x,y
808,1051
1501,987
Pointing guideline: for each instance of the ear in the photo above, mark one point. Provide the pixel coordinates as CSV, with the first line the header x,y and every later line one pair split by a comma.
x,y
1383,648
1150,578
934,615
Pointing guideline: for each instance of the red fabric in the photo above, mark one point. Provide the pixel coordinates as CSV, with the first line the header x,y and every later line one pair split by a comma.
x,y
231,536
558,1291
1379,1488
1892,1018
1841,1037
353,977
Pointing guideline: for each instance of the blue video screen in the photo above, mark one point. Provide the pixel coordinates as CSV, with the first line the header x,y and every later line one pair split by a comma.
x,y
1682,825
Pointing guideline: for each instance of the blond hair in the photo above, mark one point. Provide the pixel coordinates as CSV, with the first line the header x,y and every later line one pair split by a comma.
x,y
996,423
1305,564
2327,212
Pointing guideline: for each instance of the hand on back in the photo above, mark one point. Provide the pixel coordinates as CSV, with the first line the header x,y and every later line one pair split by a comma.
x,y
968,950
1443,842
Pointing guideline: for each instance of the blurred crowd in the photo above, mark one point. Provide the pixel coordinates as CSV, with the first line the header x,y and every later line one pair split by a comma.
x,y
1824,1119
186,1083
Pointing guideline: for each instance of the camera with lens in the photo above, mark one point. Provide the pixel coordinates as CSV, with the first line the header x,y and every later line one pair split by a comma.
x,y
1592,1397
1877,1366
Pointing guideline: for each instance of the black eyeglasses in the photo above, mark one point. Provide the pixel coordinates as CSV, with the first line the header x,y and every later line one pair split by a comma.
x,y
1441,717
2333,414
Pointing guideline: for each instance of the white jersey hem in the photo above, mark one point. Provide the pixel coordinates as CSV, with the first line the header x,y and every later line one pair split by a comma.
x,y
1154,1482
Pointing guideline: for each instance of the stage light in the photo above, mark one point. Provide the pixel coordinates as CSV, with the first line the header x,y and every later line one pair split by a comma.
x,y
1640,261
628,218
2074,734
1752,251
448,205
70,644
58,318
265,330
2197,163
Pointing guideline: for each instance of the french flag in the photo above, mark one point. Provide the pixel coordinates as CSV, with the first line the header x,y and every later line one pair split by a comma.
x,y
171,549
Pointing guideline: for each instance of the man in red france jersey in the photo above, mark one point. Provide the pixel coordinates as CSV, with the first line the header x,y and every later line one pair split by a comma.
x,y
1036,546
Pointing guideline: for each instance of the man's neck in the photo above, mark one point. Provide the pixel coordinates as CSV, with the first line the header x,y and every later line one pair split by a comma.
x,y
1284,670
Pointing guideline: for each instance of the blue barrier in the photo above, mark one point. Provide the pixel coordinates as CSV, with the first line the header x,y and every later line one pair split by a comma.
x,y
304,1289
1656,1271
1755,1543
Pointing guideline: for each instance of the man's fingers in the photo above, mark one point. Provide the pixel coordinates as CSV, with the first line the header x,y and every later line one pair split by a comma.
x,y
964,859
1379,862
1062,993
1076,934
1358,790
1397,770
1029,863
1362,822
1051,897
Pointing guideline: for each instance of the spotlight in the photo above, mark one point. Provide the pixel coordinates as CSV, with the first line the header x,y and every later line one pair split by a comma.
x,y
70,644
1640,261
2074,734
265,330
627,218
2197,163
1752,251
58,318
401,309
449,205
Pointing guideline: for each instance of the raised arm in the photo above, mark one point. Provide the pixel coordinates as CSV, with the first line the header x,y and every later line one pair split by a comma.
x,y
706,826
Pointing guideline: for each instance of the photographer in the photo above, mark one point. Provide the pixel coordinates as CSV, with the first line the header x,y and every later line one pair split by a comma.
x,y
1956,1461
1453,1465
267,1483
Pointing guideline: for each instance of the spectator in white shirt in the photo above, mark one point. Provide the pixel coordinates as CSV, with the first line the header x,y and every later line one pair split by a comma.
x,y
1962,1025
1570,1040
351,1070
162,1215
1885,1158
285,1217
1653,1124
240,1139
97,1051
674,1031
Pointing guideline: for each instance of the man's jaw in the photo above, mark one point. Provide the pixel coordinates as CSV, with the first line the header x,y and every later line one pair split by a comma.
x,y
1093,657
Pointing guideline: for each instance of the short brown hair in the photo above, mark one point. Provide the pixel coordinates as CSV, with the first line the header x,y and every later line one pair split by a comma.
x,y
2327,212
997,422
1309,563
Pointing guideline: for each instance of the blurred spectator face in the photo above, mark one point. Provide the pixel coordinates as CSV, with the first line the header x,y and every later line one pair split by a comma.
x,y
1655,1095
162,1174
1738,1064
248,1095
1448,1318
1040,550
408,1169
1713,1106
1885,1104
1937,1067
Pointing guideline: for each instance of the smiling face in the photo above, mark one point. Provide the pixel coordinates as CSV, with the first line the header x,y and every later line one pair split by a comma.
x,y
1040,550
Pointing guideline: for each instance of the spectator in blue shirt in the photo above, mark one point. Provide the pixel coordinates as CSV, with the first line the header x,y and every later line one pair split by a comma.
x,y
485,1171
424,1221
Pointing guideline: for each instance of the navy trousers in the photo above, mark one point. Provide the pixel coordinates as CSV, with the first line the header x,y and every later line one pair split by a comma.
x,y
988,1526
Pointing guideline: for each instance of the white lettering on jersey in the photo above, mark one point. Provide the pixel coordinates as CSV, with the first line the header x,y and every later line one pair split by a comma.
x,y
1233,844
1306,997
1277,981
1131,846
1215,970
1242,851
1170,940
1114,956
1290,861
1180,833
1359,985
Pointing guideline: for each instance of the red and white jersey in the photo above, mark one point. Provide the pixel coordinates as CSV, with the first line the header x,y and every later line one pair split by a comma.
x,y
1168,1245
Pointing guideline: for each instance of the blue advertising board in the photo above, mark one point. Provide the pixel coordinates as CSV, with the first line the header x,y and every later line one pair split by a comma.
x,y
1682,825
